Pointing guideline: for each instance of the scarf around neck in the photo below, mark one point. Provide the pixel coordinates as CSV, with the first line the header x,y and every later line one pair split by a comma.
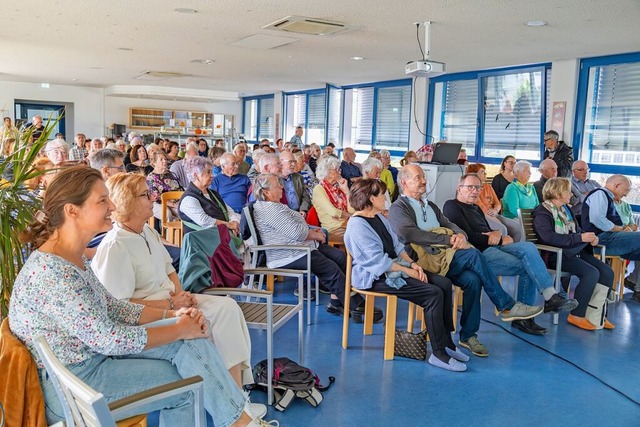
x,y
336,195
562,219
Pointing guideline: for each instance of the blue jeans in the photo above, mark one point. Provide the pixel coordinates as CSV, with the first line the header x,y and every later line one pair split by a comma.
x,y
520,259
469,270
119,376
625,244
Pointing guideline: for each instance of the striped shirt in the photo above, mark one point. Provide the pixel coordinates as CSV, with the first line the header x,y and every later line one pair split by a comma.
x,y
278,224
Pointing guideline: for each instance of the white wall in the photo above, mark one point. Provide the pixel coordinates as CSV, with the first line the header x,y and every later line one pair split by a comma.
x,y
93,111
564,85
420,94
88,109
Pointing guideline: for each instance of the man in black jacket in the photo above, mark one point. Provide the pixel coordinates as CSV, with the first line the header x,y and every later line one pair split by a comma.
x,y
504,256
560,152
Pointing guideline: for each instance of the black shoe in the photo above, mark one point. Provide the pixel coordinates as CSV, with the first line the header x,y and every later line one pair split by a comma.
x,y
629,284
528,326
358,314
304,294
636,295
559,302
336,310
323,289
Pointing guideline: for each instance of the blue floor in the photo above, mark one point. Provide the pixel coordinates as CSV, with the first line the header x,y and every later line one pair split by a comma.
x,y
569,377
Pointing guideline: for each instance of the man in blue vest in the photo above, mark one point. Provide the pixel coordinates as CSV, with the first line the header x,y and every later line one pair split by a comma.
x,y
599,215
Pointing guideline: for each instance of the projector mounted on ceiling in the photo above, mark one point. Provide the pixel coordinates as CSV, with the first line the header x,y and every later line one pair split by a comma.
x,y
424,67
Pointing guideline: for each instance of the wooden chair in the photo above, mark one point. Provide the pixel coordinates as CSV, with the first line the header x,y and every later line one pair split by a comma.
x,y
171,230
390,324
416,314
258,308
619,267
84,406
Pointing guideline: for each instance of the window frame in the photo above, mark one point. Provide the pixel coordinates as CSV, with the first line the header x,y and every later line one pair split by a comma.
x,y
285,112
478,76
258,99
376,86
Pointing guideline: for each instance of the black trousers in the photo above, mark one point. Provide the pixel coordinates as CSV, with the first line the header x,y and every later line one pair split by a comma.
x,y
589,271
434,297
329,265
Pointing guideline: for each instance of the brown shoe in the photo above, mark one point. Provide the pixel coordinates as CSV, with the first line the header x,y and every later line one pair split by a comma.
x,y
580,322
608,325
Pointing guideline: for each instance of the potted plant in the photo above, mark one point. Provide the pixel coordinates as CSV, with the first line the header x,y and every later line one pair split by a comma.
x,y
17,207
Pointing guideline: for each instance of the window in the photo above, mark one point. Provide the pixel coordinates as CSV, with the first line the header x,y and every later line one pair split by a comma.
x,y
378,116
492,113
607,126
258,118
306,109
334,117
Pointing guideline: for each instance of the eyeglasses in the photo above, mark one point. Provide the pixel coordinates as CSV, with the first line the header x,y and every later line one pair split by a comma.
x,y
147,194
120,168
472,187
232,163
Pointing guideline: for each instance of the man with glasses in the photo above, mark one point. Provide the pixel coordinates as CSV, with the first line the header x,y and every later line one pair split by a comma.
x,y
232,186
422,227
560,152
504,256
108,162
581,186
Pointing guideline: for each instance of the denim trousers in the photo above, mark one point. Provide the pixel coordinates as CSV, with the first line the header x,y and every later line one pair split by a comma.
x,y
119,376
520,259
470,270
625,244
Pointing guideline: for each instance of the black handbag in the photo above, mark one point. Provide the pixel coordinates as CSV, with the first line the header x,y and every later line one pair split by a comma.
x,y
413,346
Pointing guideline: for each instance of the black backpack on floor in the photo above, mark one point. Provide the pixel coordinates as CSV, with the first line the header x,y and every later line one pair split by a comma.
x,y
290,380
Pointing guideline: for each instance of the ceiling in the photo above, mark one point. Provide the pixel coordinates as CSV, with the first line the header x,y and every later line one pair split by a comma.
x,y
93,43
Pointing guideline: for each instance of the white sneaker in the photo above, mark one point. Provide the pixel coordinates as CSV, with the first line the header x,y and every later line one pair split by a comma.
x,y
254,410
259,422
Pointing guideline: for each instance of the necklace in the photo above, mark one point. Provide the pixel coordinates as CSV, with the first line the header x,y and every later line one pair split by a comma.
x,y
141,234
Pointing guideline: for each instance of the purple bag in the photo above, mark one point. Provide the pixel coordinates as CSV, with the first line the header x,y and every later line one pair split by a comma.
x,y
227,270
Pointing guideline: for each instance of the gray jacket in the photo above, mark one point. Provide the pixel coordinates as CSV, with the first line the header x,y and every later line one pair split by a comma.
x,y
404,223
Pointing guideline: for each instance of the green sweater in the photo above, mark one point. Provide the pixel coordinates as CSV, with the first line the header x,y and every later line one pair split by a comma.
x,y
518,196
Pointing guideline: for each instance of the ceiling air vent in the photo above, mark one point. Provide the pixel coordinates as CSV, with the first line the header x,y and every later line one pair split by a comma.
x,y
159,75
311,26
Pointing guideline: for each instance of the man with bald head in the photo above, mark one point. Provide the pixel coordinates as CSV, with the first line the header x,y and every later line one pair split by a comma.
x,y
548,169
581,185
232,186
600,216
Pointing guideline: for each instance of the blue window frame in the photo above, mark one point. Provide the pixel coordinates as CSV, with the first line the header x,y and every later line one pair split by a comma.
x,y
493,113
258,118
377,115
607,121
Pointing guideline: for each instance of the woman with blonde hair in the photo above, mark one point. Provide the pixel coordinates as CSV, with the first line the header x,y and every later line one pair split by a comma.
x,y
132,263
409,157
555,225
103,341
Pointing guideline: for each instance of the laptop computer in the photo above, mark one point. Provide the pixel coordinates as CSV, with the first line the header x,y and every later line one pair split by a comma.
x,y
445,153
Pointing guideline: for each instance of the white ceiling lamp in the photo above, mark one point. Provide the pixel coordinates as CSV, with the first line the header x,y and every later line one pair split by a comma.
x,y
536,23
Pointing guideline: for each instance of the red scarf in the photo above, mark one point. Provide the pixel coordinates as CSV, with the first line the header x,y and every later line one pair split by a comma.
x,y
336,195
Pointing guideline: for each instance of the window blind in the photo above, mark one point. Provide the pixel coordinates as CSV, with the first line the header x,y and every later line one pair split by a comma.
x,y
266,120
393,115
460,115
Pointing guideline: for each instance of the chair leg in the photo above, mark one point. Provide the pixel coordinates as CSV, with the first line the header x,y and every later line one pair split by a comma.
x,y
457,302
411,317
390,327
370,302
270,282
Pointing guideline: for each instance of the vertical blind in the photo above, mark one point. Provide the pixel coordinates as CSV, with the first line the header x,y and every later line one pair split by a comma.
x,y
334,117
460,115
251,119
266,121
612,116
393,115
362,120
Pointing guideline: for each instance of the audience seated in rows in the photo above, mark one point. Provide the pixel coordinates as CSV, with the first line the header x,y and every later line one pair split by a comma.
x,y
442,248
504,256
56,292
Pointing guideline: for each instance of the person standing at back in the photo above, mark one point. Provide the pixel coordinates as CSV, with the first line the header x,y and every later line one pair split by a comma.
x,y
560,152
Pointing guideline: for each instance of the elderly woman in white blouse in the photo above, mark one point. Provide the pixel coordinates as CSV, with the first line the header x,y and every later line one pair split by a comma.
x,y
132,263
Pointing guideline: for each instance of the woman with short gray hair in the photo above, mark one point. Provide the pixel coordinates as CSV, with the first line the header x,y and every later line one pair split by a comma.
x,y
331,198
200,206
520,194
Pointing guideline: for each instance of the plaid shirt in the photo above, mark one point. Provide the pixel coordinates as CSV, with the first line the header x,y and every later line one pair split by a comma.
x,y
77,153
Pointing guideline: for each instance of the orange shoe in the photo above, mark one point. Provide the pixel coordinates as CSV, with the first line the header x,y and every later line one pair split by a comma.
x,y
608,325
580,322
